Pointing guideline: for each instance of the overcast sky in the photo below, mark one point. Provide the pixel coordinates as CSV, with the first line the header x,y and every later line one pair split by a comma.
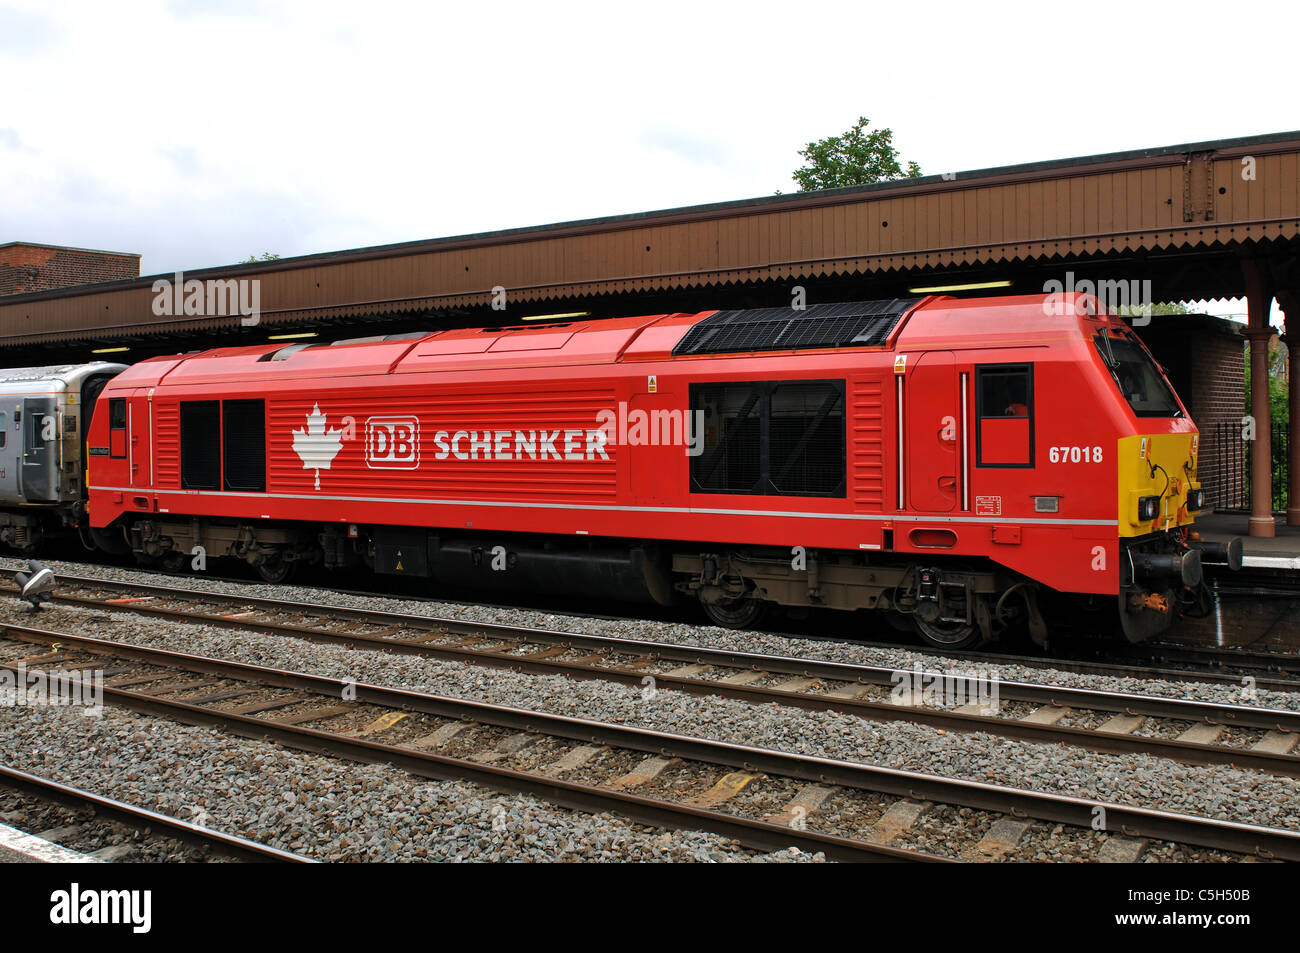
x,y
198,133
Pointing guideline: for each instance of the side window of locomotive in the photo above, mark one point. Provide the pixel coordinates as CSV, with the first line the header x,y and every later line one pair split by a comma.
x,y
201,445
117,427
783,438
244,445
1004,411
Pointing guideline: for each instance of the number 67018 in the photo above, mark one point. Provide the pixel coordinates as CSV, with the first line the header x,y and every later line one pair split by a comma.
x,y
1075,454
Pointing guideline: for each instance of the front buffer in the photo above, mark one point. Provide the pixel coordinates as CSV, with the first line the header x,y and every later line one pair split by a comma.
x,y
1161,576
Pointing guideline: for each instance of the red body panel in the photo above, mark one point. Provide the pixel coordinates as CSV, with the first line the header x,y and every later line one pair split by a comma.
x,y
435,432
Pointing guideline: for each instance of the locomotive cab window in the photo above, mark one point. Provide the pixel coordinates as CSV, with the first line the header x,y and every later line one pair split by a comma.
x,y
117,427
783,438
1137,376
201,445
1004,411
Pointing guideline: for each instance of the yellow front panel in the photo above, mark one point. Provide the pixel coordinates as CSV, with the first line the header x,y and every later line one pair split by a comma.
x,y
1173,456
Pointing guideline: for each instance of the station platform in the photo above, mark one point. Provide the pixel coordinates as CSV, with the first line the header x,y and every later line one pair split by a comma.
x,y
1281,552
1257,608
19,847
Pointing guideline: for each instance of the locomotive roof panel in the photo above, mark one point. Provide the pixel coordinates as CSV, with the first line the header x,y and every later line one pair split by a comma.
x,y
901,323
1002,322
569,343
579,342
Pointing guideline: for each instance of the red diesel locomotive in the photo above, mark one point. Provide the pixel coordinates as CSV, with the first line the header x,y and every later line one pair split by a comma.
x,y
942,460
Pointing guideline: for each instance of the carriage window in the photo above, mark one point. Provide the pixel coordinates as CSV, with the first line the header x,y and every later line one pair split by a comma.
x,y
117,427
1004,409
39,424
244,438
4,428
201,445
781,438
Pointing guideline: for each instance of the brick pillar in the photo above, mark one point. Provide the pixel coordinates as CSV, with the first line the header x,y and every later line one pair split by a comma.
x,y
1289,301
1259,301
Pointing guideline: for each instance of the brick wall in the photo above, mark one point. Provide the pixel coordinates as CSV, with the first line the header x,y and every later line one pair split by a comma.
x,y
1205,358
25,268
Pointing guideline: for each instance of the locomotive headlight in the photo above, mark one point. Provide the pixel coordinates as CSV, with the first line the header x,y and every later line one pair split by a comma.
x,y
1148,508
1195,500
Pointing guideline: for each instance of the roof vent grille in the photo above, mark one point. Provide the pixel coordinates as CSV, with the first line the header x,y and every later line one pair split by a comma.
x,y
844,324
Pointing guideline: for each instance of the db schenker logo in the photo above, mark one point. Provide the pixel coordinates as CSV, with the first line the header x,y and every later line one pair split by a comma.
x,y
393,443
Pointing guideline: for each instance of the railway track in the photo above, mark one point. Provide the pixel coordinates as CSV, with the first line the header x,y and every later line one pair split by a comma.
x,y
72,818
1221,658
1192,732
753,794
1271,670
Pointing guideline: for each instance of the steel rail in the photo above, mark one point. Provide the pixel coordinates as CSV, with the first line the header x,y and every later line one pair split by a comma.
x,y
1241,716
1245,716
1133,821
1222,656
1072,665
755,834
230,845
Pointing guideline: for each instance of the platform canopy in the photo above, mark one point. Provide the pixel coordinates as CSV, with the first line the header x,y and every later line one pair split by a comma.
x,y
1198,221
1183,216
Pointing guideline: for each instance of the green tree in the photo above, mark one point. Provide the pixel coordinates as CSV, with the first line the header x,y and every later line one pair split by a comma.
x,y
1171,307
858,157
265,256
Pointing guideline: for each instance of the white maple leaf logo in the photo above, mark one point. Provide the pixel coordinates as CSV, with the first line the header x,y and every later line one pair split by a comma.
x,y
317,445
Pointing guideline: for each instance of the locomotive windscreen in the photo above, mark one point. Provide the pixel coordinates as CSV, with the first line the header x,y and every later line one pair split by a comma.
x,y
844,324
1137,376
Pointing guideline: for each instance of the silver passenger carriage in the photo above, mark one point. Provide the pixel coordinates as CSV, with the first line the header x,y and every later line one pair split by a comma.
x,y
44,418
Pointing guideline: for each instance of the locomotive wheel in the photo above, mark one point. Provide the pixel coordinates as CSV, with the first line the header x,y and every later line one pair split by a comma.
x,y
735,613
1140,625
277,570
947,635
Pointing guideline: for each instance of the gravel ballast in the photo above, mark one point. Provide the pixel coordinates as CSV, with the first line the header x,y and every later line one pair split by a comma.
x,y
1132,779
684,634
325,808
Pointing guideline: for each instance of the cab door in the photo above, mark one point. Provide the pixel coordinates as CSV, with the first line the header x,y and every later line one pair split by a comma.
x,y
11,454
40,468
933,425
656,445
